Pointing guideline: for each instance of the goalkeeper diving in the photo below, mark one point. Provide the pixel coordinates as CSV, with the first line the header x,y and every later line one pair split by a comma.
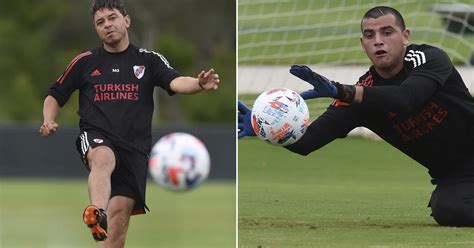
x,y
412,97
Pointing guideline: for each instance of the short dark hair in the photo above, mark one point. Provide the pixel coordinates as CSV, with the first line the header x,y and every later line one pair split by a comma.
x,y
379,11
108,4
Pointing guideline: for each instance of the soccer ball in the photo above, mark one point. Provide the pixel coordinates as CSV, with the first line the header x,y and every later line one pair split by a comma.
x,y
179,162
280,116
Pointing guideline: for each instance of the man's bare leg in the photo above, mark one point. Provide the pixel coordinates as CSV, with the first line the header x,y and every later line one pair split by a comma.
x,y
101,161
118,212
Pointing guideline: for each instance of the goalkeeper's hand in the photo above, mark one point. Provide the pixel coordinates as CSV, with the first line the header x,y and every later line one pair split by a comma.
x,y
245,121
323,87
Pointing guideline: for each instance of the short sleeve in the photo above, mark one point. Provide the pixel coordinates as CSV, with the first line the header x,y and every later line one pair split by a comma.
x,y
163,73
69,81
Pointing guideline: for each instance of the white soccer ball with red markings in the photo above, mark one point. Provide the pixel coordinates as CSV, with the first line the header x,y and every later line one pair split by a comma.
x,y
179,162
280,116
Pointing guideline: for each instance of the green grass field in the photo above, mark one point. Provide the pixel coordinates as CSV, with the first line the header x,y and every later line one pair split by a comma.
x,y
351,193
48,213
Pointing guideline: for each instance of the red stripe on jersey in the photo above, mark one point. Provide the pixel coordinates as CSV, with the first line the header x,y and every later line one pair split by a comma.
x,y
71,65
337,103
367,82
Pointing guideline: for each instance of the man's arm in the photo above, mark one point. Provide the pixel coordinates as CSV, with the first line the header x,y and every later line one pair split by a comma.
x,y
411,94
60,92
422,84
335,123
189,85
50,111
406,98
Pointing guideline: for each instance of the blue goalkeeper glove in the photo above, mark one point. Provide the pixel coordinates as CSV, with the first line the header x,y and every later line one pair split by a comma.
x,y
245,121
323,87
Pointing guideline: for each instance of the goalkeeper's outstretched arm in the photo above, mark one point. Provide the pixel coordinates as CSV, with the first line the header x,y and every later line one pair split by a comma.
x,y
405,98
335,123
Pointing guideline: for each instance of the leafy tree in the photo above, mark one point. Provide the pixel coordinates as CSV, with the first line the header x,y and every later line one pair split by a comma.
x,y
25,61
39,39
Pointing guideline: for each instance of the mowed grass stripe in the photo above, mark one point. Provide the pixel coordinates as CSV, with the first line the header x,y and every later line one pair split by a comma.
x,y
351,193
48,213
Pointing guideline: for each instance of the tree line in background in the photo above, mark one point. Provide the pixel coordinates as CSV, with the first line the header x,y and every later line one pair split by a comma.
x,y
39,38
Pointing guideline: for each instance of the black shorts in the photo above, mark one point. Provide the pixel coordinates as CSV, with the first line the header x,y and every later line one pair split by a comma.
x,y
130,173
453,204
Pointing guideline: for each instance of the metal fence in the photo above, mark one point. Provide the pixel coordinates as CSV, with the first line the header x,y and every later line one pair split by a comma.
x,y
23,153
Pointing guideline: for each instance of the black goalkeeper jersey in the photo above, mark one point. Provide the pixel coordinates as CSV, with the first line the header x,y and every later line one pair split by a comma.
x,y
116,92
425,111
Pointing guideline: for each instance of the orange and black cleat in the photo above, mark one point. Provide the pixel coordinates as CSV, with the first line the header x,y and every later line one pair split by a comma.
x,y
96,219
